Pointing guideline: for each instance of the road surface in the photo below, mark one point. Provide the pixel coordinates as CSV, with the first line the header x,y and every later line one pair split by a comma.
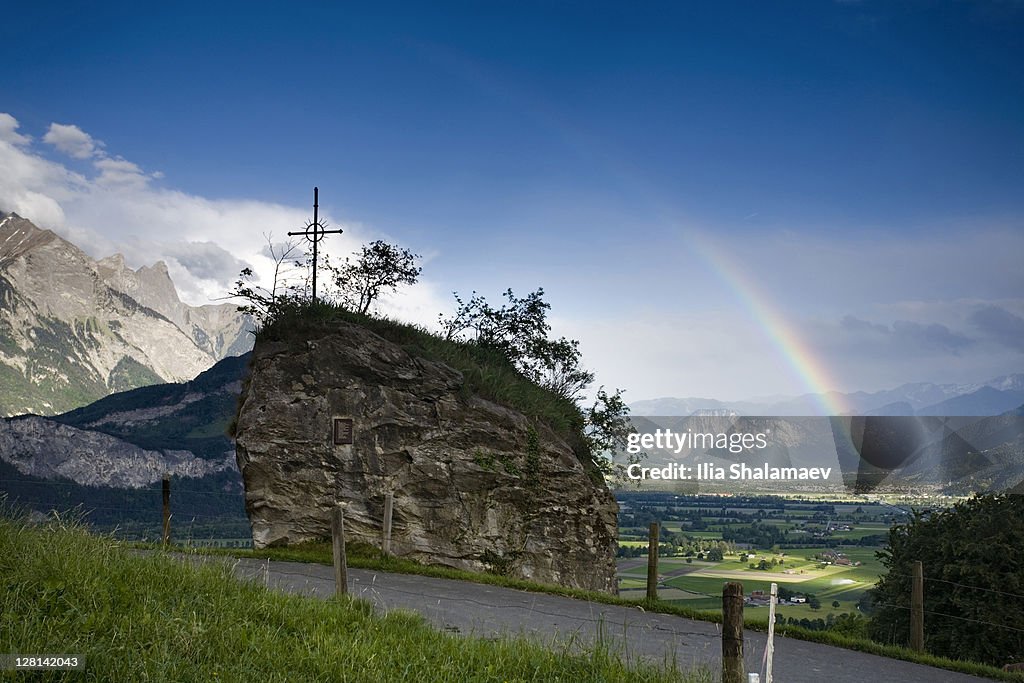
x,y
486,611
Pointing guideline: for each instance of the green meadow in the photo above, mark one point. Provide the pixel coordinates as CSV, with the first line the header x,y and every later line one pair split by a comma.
x,y
155,618
697,584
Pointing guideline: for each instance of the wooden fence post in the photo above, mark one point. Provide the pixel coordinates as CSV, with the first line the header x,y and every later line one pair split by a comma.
x,y
732,633
167,509
385,544
653,539
917,609
338,543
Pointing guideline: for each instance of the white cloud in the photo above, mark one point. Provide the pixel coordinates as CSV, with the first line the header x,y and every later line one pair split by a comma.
x,y
72,140
204,260
119,172
203,241
34,187
655,353
725,355
9,131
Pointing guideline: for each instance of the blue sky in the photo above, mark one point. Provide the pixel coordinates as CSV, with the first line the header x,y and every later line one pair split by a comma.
x,y
859,164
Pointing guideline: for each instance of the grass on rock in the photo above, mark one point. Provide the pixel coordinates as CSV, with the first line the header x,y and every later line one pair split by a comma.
x,y
487,373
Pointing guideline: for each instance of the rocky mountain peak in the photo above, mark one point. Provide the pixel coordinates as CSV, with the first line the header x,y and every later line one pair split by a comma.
x,y
113,263
19,236
73,329
151,286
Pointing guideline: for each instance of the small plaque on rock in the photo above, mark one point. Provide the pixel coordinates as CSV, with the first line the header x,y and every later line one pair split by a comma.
x,y
342,431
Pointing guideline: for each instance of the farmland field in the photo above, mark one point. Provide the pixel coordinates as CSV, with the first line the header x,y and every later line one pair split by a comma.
x,y
819,548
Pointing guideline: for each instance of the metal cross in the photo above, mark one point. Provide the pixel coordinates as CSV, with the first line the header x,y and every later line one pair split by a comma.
x,y
315,232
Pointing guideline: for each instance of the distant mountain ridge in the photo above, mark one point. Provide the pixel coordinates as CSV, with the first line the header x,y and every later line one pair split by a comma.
x,y
73,329
993,397
108,457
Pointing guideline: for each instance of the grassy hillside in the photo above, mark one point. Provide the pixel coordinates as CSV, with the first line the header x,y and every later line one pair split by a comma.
x,y
154,618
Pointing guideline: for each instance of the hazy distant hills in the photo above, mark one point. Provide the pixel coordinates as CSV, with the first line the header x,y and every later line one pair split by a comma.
x,y
956,455
984,401
994,397
73,329
954,438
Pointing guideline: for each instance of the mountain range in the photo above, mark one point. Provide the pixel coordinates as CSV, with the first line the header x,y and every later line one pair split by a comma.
x,y
74,329
108,458
993,397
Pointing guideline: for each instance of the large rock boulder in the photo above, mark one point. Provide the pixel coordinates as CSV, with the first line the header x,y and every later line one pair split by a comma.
x,y
476,485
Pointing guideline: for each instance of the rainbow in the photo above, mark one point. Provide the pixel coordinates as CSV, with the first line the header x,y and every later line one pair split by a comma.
x,y
810,370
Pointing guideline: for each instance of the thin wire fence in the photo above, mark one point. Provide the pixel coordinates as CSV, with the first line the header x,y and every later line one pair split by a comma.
x,y
928,579
198,517
184,520
954,616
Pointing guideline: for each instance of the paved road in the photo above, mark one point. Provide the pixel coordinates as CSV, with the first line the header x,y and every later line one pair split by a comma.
x,y
489,611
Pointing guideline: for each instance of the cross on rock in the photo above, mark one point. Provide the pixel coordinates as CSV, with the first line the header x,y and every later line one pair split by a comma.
x,y
315,232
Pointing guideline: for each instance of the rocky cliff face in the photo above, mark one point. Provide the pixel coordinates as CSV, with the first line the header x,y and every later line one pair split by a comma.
x,y
476,485
45,449
218,330
73,329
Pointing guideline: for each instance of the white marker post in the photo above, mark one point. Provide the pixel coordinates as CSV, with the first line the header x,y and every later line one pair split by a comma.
x,y
771,633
